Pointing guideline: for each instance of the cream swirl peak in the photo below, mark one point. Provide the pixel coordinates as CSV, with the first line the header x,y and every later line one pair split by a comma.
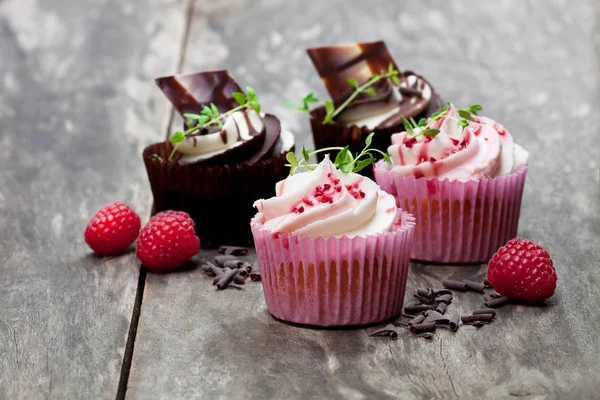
x,y
458,149
327,202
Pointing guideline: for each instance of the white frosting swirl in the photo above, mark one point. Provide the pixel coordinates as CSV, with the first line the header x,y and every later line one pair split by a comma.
x,y
327,202
481,149
236,130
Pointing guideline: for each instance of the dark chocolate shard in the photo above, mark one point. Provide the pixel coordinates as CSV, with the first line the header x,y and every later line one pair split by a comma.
x,y
360,61
221,259
417,308
190,93
255,276
474,286
497,303
423,327
485,311
389,330
454,285
233,250
417,320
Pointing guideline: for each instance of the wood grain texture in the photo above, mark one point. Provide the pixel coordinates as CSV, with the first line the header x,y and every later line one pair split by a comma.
x,y
77,105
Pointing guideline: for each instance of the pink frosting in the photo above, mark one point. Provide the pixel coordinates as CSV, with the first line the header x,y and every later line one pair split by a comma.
x,y
481,149
327,202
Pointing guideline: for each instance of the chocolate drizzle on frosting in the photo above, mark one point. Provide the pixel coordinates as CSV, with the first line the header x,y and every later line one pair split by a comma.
x,y
189,93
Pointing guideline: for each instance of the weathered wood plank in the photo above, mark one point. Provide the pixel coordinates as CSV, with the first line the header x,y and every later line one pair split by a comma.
x,y
532,66
77,105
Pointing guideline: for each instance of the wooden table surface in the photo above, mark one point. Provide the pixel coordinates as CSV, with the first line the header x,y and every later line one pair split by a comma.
x,y
78,105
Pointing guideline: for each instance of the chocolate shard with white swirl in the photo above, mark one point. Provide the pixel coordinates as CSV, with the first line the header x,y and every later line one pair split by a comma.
x,y
190,93
360,61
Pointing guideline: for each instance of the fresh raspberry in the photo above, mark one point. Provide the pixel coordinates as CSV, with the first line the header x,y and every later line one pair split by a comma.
x,y
522,270
167,241
112,229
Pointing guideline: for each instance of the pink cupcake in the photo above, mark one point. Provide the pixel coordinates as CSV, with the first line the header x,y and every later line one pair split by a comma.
x,y
462,177
333,249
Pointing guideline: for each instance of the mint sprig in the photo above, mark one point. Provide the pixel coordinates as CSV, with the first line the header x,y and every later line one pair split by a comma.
x,y
423,127
304,106
210,116
344,160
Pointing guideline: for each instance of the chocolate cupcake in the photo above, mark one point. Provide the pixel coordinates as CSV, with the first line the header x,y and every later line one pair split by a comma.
x,y
227,155
368,94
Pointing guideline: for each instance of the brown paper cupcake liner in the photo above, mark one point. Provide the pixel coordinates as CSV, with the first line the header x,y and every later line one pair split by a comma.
x,y
218,198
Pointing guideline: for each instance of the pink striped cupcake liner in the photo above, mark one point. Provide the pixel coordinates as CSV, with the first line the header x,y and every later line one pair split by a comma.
x,y
334,281
457,222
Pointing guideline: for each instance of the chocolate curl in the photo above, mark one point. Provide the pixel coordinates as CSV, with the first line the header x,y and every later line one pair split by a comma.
x,y
497,303
423,327
451,323
226,279
486,282
441,292
416,320
211,269
445,298
233,264
454,285
255,276
424,292
417,308
388,330
238,279
424,300
485,311
436,317
474,286
247,266
221,260
477,320
441,307
243,272
233,250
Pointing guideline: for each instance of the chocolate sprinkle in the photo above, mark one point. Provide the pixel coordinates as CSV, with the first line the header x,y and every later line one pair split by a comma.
x,y
222,259
441,308
255,276
497,303
233,264
474,286
417,308
454,285
226,279
485,311
388,330
417,320
233,250
423,327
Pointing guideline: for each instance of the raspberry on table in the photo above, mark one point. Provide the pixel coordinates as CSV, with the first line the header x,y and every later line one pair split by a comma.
x,y
522,270
112,229
167,241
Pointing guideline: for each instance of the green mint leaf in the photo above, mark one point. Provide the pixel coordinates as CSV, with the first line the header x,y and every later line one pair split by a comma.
x,y
387,158
240,98
289,103
430,132
193,116
352,82
474,108
369,139
251,93
413,122
395,79
362,164
443,108
465,114
310,98
422,122
305,154
371,92
407,125
291,158
206,111
302,109
309,167
177,137
214,109
329,107
256,105
391,68
341,156
220,124
464,123
347,168
436,115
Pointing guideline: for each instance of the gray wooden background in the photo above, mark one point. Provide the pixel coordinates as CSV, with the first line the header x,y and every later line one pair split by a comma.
x,y
78,105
